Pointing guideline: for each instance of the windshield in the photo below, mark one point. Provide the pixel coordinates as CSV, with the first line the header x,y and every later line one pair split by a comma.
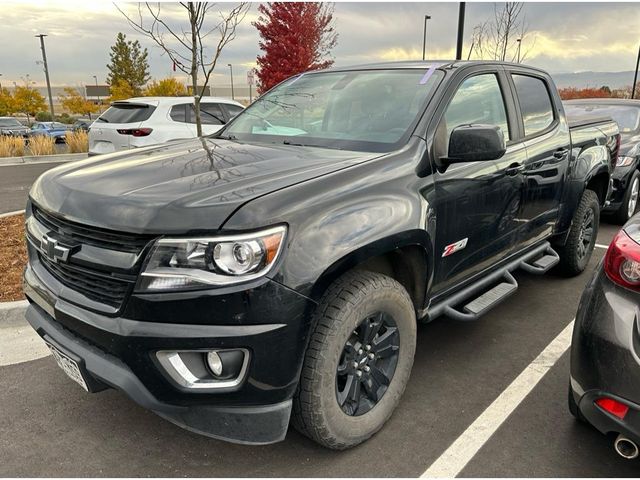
x,y
9,122
372,110
627,117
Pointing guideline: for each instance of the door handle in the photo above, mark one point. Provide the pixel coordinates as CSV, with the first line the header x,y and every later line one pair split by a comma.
x,y
514,169
560,153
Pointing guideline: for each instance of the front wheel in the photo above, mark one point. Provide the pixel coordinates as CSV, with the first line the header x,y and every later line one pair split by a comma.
x,y
358,361
576,252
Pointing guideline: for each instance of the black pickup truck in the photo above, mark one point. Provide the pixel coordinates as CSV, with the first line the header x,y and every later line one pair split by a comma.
x,y
277,271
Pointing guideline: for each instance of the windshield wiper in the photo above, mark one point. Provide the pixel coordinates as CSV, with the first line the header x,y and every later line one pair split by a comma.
x,y
227,137
100,119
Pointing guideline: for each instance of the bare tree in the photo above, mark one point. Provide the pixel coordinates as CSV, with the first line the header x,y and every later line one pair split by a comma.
x,y
187,49
497,39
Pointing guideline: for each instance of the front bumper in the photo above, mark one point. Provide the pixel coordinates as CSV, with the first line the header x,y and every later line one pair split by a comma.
x,y
119,352
604,355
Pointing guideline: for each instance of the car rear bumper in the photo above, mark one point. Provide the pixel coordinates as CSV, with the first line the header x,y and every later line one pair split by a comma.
x,y
604,355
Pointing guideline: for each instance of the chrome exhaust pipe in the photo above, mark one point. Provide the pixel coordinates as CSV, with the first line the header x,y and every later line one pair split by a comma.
x,y
626,448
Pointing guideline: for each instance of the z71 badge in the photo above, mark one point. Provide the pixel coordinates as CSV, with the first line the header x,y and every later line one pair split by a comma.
x,y
454,247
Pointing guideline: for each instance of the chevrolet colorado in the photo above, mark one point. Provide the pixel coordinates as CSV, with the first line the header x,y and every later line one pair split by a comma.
x,y
278,270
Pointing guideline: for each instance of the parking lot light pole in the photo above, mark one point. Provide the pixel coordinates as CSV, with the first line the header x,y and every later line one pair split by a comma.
x,y
424,37
461,9
519,40
635,76
233,97
46,71
0,84
95,77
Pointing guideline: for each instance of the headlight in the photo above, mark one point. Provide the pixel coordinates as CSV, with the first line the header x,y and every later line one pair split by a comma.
x,y
183,263
624,161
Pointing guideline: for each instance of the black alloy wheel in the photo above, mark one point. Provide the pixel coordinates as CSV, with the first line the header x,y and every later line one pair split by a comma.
x,y
367,364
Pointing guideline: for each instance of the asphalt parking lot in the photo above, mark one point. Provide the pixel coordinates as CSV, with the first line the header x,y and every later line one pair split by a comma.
x,y
15,182
50,427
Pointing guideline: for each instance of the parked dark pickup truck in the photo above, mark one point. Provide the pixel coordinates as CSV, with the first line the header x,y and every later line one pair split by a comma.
x,y
279,269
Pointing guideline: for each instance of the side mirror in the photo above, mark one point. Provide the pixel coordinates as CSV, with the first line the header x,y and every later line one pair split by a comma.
x,y
475,143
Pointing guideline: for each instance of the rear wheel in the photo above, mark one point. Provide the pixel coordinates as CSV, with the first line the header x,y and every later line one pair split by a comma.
x,y
630,202
576,252
358,361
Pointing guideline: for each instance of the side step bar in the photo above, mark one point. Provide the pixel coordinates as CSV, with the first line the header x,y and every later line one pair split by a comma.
x,y
489,291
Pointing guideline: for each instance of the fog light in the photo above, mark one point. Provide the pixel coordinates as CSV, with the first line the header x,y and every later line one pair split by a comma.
x,y
215,363
205,370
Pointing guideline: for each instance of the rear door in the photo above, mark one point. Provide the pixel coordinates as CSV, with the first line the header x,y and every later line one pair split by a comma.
x,y
104,136
477,204
547,141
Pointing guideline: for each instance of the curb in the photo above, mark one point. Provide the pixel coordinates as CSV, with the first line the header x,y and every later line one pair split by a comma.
x,y
10,214
12,313
59,158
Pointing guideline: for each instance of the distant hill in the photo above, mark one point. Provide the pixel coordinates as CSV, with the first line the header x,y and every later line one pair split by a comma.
x,y
593,79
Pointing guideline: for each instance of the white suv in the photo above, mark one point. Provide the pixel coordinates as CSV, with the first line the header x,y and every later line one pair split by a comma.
x,y
144,121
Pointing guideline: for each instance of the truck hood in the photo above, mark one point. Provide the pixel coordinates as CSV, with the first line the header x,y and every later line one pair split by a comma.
x,y
179,187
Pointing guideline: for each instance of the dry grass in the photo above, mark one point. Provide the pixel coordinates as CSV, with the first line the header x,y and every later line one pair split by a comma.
x,y
77,142
11,146
42,145
13,257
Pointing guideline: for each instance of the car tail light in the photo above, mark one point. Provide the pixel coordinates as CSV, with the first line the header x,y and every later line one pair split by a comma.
x,y
136,132
613,407
622,261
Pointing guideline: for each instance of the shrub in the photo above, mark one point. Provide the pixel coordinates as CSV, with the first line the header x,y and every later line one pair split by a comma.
x,y
65,118
11,146
78,142
42,145
44,117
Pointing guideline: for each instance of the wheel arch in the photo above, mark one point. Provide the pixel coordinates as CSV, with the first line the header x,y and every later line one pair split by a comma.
x,y
405,257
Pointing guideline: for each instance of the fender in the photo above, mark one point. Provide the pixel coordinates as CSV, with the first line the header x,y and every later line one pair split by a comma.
x,y
589,162
408,255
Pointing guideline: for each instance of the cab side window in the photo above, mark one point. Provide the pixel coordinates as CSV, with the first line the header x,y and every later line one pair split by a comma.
x,y
478,100
535,103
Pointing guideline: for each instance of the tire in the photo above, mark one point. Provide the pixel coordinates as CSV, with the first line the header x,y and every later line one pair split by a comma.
x,y
576,252
356,300
629,204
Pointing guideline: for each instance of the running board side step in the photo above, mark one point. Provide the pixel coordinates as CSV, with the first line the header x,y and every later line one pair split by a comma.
x,y
543,264
485,302
476,299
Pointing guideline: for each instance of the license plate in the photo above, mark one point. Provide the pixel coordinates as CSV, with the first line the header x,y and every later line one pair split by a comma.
x,y
68,366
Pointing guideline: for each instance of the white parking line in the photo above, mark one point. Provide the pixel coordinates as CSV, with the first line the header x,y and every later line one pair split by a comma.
x,y
464,448
599,245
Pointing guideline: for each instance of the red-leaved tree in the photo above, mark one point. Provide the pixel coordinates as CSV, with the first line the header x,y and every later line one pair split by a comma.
x,y
571,93
295,37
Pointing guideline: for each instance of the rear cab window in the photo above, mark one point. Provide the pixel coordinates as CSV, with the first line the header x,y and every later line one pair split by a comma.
x,y
127,113
535,103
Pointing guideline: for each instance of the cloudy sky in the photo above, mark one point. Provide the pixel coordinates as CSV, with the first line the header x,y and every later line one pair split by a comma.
x,y
563,37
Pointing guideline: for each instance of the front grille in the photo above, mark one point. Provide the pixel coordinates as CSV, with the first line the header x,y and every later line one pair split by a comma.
x,y
94,279
93,285
98,237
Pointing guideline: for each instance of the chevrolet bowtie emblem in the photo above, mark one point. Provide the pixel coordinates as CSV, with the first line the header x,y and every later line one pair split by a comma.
x,y
52,250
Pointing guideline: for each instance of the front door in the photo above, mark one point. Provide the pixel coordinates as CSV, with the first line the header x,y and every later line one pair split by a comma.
x,y
477,204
